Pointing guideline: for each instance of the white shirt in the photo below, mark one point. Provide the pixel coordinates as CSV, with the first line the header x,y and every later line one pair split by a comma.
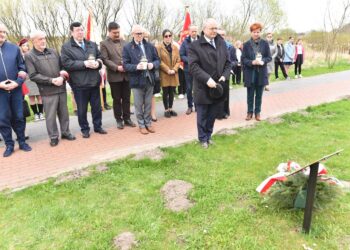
x,y
299,49
209,40
80,44
239,55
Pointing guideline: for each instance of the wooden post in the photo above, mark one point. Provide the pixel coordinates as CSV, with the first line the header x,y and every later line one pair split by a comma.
x,y
311,193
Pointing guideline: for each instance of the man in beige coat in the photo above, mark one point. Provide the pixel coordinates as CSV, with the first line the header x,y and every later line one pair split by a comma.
x,y
111,51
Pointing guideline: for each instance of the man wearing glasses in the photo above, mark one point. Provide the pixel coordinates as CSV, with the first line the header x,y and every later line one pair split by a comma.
x,y
210,67
140,59
12,76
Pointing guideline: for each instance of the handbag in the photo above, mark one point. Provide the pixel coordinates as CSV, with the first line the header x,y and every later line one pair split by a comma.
x,y
26,111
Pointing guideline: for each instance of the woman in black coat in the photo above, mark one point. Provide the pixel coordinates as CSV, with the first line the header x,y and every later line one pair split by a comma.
x,y
255,57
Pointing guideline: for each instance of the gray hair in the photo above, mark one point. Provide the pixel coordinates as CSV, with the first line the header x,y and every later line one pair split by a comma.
x,y
36,33
4,26
209,21
137,26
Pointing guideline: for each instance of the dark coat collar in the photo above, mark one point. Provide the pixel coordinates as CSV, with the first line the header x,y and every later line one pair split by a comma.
x,y
38,53
86,42
216,39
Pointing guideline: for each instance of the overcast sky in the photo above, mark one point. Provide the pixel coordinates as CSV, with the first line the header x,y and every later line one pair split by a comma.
x,y
302,15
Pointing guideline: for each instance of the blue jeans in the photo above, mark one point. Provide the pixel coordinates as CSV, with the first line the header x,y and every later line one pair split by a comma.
x,y
189,87
83,97
206,114
11,116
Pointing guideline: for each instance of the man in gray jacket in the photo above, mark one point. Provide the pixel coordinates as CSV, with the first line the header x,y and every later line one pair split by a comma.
x,y
44,68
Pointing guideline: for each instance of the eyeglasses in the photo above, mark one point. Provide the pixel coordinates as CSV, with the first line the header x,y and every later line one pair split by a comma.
x,y
139,34
167,36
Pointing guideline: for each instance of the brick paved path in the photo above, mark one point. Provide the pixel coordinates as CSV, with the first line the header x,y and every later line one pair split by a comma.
x,y
24,169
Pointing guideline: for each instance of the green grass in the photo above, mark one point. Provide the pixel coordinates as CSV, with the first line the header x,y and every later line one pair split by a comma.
x,y
228,214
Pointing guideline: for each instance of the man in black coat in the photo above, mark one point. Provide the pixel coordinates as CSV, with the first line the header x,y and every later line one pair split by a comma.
x,y
210,67
255,57
82,60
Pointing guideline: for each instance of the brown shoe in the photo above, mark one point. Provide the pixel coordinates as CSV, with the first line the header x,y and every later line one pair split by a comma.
x,y
257,117
267,89
144,131
249,117
150,129
189,111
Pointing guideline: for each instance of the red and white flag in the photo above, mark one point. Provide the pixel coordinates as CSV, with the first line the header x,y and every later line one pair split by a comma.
x,y
185,28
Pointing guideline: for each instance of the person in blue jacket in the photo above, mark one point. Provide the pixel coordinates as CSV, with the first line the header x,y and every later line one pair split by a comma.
x,y
12,76
140,59
255,57
193,36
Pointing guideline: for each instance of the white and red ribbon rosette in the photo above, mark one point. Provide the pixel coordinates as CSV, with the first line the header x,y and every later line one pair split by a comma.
x,y
283,170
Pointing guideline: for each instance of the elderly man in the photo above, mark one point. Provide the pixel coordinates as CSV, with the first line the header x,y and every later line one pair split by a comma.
x,y
82,60
44,68
210,67
12,76
193,36
111,51
140,59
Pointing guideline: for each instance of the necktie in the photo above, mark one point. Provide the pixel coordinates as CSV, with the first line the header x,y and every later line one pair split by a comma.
x,y
212,43
142,49
82,45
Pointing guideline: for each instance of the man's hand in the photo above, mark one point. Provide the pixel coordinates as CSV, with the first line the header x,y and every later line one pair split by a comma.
x,y
120,68
91,64
211,83
11,85
150,66
139,66
222,79
58,81
3,85
171,72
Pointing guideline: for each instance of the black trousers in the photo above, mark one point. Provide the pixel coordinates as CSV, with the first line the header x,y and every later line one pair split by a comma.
x,y
281,65
206,115
121,100
168,97
298,63
236,78
182,82
224,108
84,96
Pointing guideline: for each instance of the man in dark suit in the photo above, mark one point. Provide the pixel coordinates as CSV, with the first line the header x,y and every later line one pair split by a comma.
x,y
111,52
82,60
193,30
210,67
255,57
140,59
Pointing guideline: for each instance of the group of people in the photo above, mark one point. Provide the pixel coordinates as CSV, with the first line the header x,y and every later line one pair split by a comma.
x,y
206,59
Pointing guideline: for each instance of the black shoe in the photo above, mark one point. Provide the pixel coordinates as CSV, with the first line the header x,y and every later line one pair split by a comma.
x,y
167,114
173,113
25,138
101,131
120,125
25,147
54,142
129,123
69,137
107,107
8,151
85,135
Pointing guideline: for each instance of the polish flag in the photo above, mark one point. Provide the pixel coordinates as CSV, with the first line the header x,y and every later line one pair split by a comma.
x,y
185,28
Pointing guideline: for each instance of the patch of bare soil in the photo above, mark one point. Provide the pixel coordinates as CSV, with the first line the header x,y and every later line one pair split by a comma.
x,y
124,241
175,193
154,154
77,174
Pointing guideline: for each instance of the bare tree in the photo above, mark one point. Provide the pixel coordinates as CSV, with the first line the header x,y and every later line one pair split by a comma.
x,y
336,25
104,11
11,15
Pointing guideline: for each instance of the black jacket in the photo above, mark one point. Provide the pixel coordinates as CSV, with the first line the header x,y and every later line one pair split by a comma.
x,y
42,67
248,56
206,62
280,53
184,52
73,57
